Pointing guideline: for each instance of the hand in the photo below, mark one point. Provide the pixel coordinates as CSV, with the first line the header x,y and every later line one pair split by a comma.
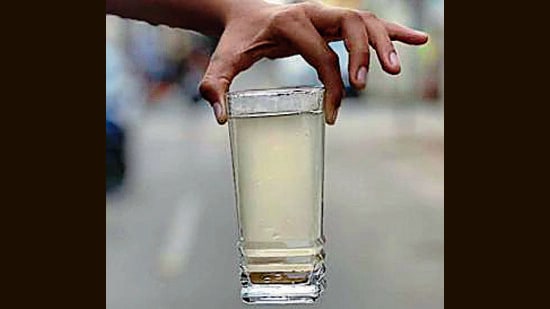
x,y
254,30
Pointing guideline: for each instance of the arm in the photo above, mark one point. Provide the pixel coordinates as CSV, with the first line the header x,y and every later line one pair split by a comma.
x,y
253,29
205,16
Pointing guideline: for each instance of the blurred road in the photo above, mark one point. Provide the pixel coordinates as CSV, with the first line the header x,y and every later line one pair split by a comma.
x,y
171,232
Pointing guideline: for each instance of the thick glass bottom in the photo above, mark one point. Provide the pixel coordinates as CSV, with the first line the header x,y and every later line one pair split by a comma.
x,y
283,287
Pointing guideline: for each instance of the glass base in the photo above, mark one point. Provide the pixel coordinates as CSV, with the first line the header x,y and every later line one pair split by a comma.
x,y
292,293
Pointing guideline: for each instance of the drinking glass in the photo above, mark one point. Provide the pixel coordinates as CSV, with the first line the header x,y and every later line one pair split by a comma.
x,y
277,150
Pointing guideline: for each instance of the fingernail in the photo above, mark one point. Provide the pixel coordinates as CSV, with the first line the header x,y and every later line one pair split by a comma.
x,y
362,74
420,32
394,60
218,112
334,115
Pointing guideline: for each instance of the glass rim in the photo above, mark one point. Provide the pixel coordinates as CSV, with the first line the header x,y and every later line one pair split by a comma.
x,y
263,92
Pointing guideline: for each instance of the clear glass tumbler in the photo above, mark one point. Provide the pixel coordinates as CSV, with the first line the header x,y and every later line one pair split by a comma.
x,y
277,149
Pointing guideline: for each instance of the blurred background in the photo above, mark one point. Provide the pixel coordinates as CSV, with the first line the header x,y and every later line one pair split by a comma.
x,y
170,210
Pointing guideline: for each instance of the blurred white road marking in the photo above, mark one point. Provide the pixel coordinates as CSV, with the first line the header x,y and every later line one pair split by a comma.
x,y
181,237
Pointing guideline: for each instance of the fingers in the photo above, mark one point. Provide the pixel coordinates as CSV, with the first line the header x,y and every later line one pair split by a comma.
x,y
338,23
215,84
356,41
380,41
404,34
223,67
305,29
360,28
306,40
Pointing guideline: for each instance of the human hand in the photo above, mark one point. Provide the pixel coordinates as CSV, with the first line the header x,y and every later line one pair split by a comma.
x,y
256,29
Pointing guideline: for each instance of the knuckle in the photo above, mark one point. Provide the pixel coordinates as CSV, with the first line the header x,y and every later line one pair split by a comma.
x,y
310,5
277,23
206,86
211,84
360,53
328,66
281,19
382,42
369,15
385,44
351,16
331,58
357,46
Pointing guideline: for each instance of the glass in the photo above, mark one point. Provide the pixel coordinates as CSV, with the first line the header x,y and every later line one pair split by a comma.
x,y
277,148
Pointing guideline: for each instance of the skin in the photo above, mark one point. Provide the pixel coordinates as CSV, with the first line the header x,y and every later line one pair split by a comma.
x,y
250,30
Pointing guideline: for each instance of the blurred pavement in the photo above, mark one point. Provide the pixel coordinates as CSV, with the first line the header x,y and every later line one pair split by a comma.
x,y
171,232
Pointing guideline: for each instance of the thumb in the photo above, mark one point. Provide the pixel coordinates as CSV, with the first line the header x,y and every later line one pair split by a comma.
x,y
215,84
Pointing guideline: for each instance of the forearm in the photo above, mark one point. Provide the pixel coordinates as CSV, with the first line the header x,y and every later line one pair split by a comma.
x,y
205,16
